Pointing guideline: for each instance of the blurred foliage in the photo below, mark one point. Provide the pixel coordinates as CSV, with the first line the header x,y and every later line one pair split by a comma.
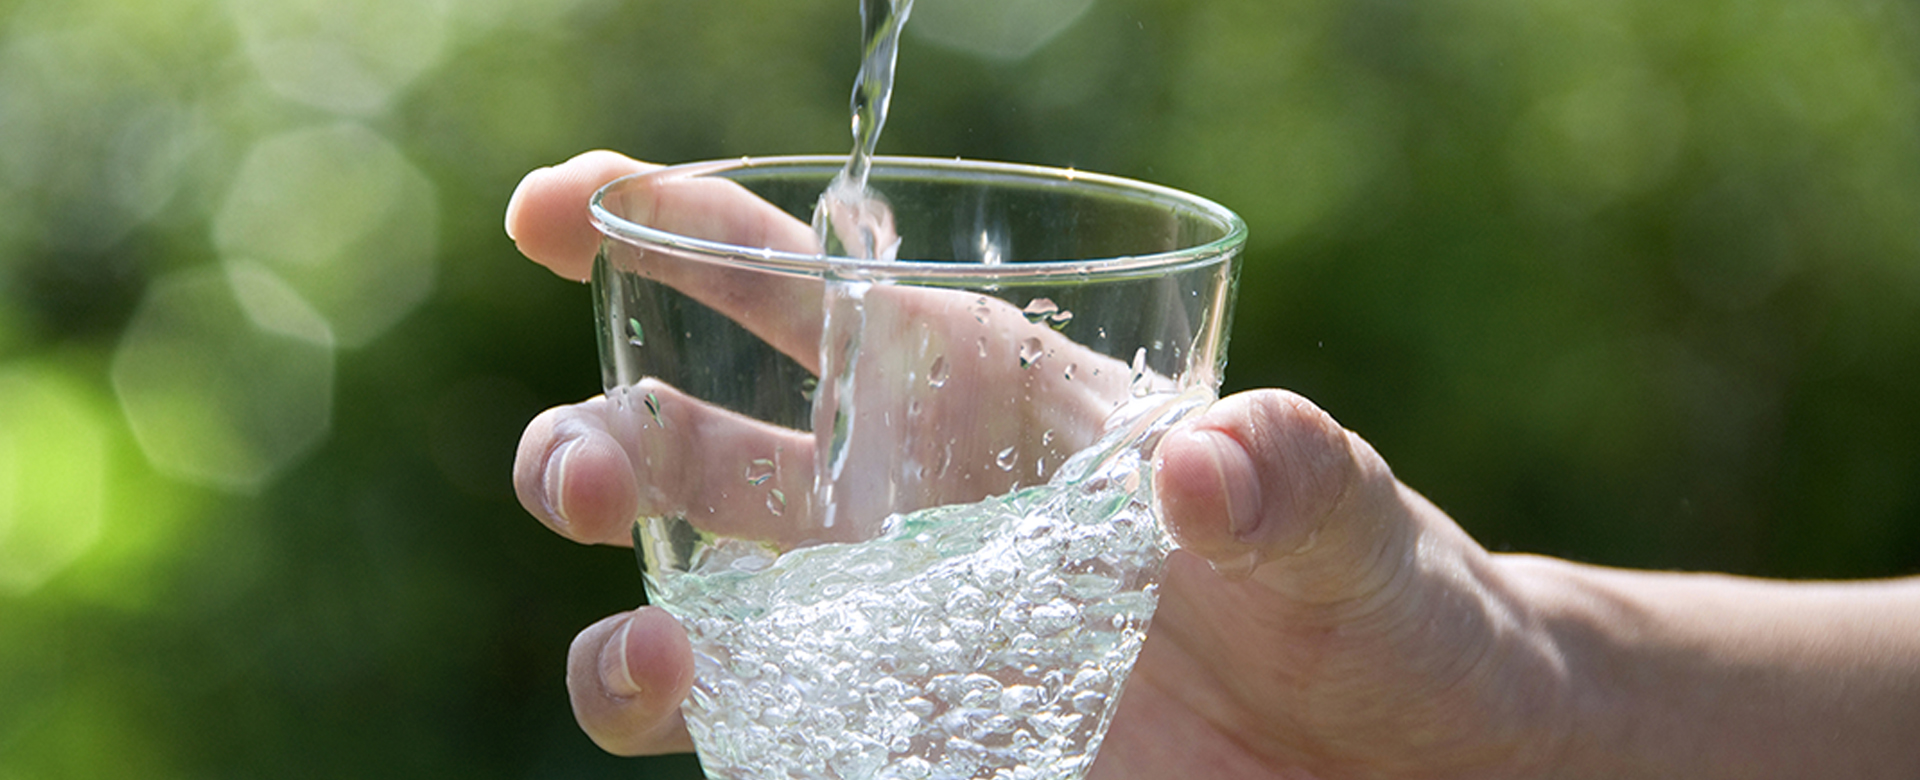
x,y
1629,281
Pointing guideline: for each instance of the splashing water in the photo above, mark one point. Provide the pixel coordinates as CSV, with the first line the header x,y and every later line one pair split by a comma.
x,y
985,640
851,218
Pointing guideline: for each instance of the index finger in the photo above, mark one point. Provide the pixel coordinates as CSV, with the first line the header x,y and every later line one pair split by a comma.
x,y
549,220
547,216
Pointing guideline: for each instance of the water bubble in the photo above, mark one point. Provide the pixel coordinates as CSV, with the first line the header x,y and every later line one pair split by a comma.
x,y
937,375
1061,319
1019,698
1006,459
759,471
913,768
995,573
1052,618
1088,587
1140,384
993,726
979,690
635,336
777,501
1072,368
966,600
1056,726
1046,439
1030,352
808,387
982,342
981,311
653,408
1090,677
1089,702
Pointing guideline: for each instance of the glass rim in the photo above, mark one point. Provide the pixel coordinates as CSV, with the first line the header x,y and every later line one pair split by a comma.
x,y
1234,229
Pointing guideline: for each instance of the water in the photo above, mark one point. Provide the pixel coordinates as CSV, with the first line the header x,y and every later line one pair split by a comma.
x,y
851,219
982,641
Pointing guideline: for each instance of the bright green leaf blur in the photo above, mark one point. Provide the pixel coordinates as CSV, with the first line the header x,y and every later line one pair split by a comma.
x,y
1630,281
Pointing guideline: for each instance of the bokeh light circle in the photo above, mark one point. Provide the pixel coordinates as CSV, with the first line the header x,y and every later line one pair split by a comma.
x,y
343,217
212,398
53,475
349,56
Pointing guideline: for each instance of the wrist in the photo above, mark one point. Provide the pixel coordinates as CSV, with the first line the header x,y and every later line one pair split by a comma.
x,y
1706,676
1564,618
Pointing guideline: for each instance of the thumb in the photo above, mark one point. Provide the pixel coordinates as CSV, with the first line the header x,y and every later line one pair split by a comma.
x,y
1265,476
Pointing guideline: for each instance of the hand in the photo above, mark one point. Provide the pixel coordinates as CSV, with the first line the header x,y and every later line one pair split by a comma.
x,y
1361,634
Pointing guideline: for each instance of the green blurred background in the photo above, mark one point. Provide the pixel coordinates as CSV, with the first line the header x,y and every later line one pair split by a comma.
x,y
1635,282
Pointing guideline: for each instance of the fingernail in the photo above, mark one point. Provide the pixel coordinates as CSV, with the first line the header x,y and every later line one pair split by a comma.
x,y
615,677
554,485
1234,468
1238,567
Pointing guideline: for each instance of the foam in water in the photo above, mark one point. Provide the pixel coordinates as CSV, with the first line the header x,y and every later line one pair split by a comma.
x,y
983,641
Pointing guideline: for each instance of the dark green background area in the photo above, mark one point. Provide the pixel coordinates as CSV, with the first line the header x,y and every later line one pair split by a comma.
x,y
1632,282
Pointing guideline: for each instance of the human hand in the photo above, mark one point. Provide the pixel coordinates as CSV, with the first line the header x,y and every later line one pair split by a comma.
x,y
1361,634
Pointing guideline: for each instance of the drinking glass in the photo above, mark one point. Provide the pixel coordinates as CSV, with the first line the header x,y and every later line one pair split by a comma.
x,y
904,506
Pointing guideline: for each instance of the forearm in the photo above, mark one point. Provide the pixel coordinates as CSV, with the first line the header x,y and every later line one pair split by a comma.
x,y
1706,676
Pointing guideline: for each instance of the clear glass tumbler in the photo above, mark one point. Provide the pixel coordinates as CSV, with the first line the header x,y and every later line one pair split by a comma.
x,y
904,507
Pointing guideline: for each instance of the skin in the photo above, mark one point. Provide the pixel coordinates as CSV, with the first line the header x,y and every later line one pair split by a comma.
x,y
1323,620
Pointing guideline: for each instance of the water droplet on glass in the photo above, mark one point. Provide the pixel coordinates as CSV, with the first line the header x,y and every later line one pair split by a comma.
x,y
981,311
759,471
913,408
937,375
1072,368
635,336
983,346
807,388
1060,319
1030,352
1006,459
1140,383
777,501
1039,309
653,408
1046,439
